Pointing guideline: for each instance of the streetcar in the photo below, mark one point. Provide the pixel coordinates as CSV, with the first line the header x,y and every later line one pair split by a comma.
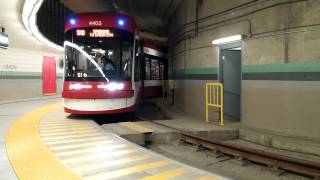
x,y
107,66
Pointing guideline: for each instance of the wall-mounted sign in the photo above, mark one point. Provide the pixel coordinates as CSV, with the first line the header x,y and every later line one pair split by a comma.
x,y
4,40
9,67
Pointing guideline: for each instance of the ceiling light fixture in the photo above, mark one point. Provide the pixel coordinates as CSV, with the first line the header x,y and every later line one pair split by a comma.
x,y
227,39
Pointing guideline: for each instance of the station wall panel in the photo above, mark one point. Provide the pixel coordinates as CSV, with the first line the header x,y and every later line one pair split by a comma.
x,y
280,60
21,73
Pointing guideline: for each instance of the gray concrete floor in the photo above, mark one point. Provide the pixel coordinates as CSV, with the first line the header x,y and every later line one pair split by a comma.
x,y
9,112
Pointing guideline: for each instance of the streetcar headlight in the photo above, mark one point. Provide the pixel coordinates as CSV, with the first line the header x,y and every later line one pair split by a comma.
x,y
111,86
121,22
79,86
72,21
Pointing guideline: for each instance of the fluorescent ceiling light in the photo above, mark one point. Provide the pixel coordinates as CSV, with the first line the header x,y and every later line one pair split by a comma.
x,y
26,23
227,39
29,16
26,12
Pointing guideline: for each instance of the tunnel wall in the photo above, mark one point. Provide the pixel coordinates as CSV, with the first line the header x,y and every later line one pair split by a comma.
x,y
280,61
21,73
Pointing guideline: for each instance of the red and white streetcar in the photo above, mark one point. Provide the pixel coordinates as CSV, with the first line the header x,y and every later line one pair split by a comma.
x,y
105,67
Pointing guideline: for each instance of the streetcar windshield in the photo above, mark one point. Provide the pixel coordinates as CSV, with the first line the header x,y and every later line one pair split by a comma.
x,y
98,54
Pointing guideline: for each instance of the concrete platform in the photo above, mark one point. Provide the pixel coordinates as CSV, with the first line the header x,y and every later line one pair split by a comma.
x,y
47,143
160,123
164,131
10,111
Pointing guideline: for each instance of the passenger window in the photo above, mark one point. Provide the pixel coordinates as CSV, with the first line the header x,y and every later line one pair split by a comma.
x,y
161,70
154,69
147,68
137,69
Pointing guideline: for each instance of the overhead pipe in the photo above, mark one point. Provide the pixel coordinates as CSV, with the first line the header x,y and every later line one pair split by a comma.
x,y
215,14
184,34
196,29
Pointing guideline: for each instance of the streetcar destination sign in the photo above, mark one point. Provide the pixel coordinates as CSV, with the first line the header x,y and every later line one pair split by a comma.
x,y
101,33
95,33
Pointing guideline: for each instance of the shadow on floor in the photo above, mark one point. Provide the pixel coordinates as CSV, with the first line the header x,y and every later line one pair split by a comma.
x,y
106,118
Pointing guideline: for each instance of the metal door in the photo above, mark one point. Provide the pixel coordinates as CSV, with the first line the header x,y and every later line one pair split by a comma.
x,y
48,76
231,78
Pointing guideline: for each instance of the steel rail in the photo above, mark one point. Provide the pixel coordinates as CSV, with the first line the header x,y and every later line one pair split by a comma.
x,y
299,166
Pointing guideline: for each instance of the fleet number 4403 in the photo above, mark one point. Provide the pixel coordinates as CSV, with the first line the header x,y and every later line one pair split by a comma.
x,y
95,23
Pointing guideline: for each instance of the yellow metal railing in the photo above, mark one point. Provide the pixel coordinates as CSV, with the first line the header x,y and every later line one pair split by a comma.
x,y
214,98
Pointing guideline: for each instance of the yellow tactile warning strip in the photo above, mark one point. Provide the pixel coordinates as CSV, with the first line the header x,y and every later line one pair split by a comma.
x,y
136,127
29,157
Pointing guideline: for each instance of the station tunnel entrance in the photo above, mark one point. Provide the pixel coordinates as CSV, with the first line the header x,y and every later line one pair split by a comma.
x,y
230,76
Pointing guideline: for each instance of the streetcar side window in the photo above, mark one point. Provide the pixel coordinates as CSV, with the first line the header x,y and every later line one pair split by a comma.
x,y
154,69
137,71
127,58
161,70
147,68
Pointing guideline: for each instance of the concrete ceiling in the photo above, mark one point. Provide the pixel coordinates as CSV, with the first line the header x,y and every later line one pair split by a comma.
x,y
83,6
150,15
19,37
